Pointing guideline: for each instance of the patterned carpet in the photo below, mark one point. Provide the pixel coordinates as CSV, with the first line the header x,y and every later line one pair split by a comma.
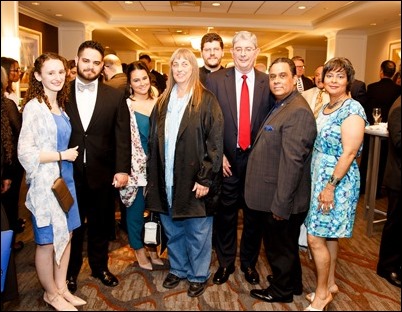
x,y
139,290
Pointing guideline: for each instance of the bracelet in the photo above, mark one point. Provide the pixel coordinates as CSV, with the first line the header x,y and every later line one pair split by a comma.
x,y
334,181
59,156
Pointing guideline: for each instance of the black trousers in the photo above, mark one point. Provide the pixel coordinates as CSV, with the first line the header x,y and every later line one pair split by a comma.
x,y
226,220
96,207
281,242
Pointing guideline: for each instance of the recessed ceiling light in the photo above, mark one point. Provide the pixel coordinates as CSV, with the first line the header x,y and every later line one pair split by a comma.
x,y
373,24
179,31
128,2
302,7
35,3
216,4
58,15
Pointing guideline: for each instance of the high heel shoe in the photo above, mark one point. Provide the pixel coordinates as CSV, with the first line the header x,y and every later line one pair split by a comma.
x,y
332,289
142,259
58,303
74,300
325,308
155,259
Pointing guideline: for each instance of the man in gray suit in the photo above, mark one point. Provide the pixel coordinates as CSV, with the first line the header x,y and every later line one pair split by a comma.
x,y
278,181
227,84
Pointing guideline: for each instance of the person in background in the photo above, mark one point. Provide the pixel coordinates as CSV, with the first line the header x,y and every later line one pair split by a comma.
x,y
140,102
335,177
185,171
227,85
113,72
397,78
10,291
160,81
389,260
316,96
13,70
72,70
303,82
12,176
278,181
382,94
43,142
100,122
212,53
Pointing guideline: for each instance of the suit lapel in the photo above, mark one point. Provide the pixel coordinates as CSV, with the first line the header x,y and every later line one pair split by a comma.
x,y
99,105
230,88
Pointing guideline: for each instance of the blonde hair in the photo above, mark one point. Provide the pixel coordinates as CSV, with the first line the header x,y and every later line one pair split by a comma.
x,y
193,83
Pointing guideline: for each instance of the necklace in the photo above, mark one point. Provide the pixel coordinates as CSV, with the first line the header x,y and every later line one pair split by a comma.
x,y
331,106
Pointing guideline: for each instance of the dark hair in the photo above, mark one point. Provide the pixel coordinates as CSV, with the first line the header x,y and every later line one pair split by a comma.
x,y
90,44
209,37
6,132
146,57
138,65
6,63
35,87
388,68
339,64
71,64
288,61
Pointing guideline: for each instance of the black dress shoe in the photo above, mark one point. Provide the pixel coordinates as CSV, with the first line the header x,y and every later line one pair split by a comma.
x,y
196,289
251,275
297,290
106,278
72,284
171,281
222,275
393,278
265,295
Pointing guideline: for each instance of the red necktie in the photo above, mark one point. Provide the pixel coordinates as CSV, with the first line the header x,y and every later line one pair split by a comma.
x,y
244,119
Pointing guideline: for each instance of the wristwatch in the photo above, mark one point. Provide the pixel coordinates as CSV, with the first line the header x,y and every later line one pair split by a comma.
x,y
334,181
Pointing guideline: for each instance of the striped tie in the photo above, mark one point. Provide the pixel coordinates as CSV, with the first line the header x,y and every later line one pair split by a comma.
x,y
299,85
318,103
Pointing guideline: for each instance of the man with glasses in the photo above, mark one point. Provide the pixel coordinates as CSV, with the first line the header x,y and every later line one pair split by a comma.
x,y
212,53
303,83
244,96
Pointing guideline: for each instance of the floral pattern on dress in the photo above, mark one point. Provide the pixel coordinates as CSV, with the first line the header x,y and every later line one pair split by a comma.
x,y
327,150
138,176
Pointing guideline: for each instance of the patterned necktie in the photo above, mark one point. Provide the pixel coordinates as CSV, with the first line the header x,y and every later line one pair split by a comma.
x,y
81,87
299,85
318,103
244,117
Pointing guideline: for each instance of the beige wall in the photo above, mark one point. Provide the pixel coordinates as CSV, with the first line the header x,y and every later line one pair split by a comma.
x,y
378,51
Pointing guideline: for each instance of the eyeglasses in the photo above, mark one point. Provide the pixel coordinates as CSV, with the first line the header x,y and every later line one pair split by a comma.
x,y
16,70
247,50
299,66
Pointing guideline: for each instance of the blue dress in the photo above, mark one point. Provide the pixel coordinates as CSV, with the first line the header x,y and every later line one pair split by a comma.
x,y
327,150
44,235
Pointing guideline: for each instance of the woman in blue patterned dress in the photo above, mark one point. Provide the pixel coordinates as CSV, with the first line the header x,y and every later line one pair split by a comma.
x,y
335,177
43,140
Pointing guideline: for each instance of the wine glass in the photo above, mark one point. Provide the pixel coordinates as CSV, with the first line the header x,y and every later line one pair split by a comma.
x,y
377,115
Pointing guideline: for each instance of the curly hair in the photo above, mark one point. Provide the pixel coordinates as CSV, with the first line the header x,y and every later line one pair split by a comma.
x,y
6,133
36,90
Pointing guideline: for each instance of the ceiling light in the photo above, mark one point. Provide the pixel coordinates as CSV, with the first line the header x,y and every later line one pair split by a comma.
x,y
216,4
58,15
302,7
35,3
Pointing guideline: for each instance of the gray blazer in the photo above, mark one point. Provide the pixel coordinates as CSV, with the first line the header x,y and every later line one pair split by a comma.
x,y
278,176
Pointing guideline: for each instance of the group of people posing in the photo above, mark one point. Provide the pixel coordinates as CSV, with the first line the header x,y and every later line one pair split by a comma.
x,y
236,138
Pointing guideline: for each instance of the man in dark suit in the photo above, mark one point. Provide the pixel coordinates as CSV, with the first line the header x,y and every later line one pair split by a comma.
x,y
212,53
303,83
380,94
100,123
278,181
160,80
226,84
389,261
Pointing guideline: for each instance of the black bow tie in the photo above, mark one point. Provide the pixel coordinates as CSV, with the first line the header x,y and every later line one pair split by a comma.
x,y
81,87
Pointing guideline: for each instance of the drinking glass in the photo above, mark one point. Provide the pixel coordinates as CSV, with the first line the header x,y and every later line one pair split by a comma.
x,y
377,115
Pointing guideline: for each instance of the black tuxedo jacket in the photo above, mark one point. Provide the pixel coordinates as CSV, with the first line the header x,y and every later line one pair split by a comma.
x,y
106,141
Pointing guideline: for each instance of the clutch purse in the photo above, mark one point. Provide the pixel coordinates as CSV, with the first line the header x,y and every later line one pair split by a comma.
x,y
61,192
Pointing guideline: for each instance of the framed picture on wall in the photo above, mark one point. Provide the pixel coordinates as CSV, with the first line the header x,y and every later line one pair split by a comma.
x,y
395,53
31,47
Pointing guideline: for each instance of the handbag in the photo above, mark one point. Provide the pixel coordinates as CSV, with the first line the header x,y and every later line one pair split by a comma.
x,y
152,230
61,191
6,239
